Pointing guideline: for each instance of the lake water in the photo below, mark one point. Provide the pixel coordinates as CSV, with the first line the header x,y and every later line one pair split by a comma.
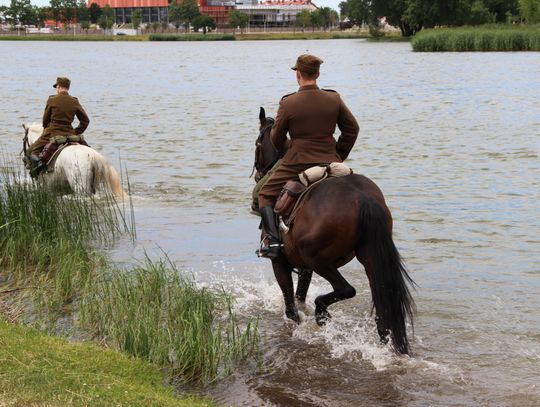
x,y
452,139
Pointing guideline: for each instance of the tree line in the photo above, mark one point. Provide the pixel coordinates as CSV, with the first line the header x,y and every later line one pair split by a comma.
x,y
22,12
410,16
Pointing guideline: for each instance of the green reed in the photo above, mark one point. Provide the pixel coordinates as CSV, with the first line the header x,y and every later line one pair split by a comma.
x,y
481,38
46,238
48,249
155,313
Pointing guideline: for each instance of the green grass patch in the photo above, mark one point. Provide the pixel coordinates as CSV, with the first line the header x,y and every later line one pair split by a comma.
x,y
481,38
39,370
191,37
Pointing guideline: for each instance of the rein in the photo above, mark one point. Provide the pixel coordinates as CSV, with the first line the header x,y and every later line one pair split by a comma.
x,y
26,144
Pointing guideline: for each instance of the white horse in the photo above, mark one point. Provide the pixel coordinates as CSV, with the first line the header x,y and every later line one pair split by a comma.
x,y
79,169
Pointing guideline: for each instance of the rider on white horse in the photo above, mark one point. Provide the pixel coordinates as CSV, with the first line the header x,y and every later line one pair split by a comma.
x,y
59,114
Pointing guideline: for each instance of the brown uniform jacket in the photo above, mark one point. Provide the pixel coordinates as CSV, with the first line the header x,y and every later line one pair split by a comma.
x,y
310,117
60,112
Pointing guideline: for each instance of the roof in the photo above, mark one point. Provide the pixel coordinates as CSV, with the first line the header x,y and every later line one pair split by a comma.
x,y
130,3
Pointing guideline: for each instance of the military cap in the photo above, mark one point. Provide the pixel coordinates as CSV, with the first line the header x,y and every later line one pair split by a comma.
x,y
307,63
63,82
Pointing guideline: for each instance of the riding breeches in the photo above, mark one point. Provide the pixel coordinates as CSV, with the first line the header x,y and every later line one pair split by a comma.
x,y
273,186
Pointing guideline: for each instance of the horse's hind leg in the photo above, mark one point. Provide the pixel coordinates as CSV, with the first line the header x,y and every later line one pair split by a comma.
x,y
283,273
342,291
304,280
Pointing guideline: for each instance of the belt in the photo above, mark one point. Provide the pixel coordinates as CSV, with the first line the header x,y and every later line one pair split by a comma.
x,y
61,122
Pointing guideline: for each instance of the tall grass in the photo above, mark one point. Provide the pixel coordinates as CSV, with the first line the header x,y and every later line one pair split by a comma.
x,y
48,247
155,313
45,241
481,38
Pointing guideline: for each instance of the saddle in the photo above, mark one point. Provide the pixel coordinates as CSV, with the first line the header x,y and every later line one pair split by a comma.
x,y
61,142
294,192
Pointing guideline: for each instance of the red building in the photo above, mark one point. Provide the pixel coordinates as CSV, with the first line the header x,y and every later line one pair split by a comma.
x,y
220,14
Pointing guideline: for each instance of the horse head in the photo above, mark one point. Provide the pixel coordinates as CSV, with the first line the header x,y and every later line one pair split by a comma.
x,y
32,132
266,154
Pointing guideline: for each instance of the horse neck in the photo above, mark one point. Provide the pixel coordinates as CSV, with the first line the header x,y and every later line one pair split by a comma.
x,y
34,132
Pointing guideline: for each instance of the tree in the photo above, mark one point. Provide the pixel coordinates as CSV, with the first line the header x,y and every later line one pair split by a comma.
x,y
42,14
106,21
529,10
238,19
501,9
189,10
55,10
136,18
329,17
357,11
205,22
480,14
83,13
68,11
175,15
316,19
95,12
22,12
303,19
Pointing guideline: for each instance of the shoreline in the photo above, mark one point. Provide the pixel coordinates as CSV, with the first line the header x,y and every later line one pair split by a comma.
x,y
258,36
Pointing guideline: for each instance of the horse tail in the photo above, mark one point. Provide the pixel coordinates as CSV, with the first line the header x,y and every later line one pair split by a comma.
x,y
106,175
115,184
389,279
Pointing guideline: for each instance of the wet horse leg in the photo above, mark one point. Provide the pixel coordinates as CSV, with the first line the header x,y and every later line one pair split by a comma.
x,y
342,291
304,280
283,273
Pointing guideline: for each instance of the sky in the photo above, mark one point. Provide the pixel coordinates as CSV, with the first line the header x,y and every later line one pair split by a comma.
x,y
320,3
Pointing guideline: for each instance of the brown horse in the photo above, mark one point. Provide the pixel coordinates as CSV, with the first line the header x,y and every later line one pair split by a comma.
x,y
341,218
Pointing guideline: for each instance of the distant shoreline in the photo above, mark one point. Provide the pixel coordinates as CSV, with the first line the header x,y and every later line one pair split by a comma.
x,y
324,35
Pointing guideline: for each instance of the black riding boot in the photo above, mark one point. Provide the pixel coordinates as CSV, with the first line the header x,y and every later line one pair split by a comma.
x,y
273,249
37,166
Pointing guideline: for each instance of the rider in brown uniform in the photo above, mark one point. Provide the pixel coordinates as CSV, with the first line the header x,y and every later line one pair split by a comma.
x,y
310,117
60,112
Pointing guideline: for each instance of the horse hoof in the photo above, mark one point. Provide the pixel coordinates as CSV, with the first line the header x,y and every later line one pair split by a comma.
x,y
293,315
322,317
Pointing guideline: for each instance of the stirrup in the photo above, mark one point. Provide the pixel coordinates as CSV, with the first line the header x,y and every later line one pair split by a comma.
x,y
270,251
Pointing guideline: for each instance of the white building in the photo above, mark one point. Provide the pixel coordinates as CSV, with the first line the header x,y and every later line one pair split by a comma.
x,y
278,13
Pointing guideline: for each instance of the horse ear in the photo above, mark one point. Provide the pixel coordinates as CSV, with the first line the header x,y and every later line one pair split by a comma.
x,y
262,115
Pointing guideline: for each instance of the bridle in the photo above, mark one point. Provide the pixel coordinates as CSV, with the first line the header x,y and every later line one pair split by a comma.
x,y
264,132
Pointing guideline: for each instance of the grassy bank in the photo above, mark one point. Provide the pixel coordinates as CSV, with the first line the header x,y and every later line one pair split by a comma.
x,y
482,38
49,253
39,370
